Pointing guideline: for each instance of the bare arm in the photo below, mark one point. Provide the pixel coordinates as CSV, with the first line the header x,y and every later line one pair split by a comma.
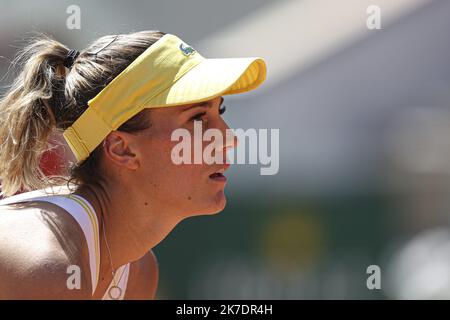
x,y
37,248
44,279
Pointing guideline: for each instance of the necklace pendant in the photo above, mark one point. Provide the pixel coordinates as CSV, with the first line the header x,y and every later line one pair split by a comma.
x,y
115,292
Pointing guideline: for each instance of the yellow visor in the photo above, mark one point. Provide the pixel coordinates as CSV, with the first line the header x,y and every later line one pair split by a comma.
x,y
168,73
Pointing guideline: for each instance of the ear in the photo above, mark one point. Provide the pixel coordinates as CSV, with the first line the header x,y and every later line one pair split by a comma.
x,y
120,148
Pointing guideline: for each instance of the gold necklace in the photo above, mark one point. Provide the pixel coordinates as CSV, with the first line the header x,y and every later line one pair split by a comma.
x,y
114,287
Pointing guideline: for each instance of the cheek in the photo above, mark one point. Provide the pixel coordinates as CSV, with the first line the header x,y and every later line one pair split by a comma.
x,y
157,156
163,173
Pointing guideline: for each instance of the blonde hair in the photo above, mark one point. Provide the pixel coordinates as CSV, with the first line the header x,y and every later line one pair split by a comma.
x,y
45,98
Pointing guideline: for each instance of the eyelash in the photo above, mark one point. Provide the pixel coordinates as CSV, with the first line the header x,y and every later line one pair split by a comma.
x,y
199,116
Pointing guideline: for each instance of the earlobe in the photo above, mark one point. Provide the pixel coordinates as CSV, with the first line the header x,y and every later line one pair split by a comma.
x,y
118,149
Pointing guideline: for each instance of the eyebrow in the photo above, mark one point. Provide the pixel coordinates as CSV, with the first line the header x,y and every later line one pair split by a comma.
x,y
204,104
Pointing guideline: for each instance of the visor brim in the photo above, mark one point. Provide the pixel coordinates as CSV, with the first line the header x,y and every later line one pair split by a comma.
x,y
212,78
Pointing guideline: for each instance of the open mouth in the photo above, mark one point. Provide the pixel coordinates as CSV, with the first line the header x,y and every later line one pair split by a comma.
x,y
218,175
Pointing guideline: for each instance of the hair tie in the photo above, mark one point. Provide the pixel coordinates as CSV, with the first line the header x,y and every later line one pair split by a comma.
x,y
70,58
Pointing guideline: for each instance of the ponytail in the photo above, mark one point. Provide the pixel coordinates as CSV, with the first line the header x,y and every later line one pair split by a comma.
x,y
44,100
27,116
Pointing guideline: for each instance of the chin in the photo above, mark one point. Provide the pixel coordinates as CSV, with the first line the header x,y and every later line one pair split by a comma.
x,y
215,205
220,201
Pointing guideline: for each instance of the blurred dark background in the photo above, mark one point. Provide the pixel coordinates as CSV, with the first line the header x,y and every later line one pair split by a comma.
x,y
364,120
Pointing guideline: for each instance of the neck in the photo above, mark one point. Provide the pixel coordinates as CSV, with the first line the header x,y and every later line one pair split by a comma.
x,y
129,225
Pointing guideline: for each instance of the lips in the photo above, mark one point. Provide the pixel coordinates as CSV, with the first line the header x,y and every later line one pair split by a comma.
x,y
218,175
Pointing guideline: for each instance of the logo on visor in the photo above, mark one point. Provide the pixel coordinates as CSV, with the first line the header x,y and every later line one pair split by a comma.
x,y
186,49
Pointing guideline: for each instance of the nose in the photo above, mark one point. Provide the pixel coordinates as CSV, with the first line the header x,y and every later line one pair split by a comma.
x,y
231,139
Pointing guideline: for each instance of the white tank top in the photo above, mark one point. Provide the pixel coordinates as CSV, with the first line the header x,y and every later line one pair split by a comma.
x,y
83,212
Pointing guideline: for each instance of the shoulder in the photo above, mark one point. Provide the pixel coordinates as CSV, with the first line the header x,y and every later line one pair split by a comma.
x,y
48,275
40,243
143,278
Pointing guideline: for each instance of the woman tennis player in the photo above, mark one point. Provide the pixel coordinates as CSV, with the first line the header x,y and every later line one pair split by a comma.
x,y
116,104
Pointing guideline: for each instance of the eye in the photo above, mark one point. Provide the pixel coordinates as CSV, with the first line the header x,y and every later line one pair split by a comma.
x,y
222,109
198,116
